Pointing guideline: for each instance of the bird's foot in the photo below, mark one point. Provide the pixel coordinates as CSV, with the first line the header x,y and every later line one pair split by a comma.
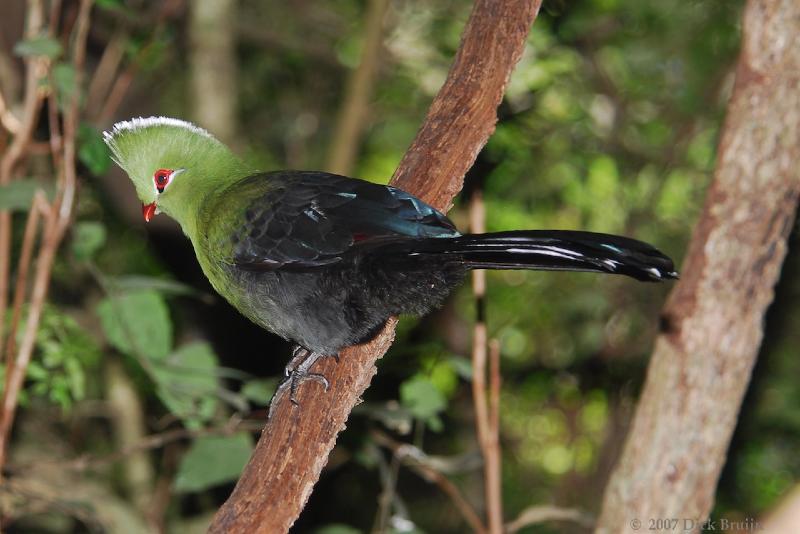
x,y
296,373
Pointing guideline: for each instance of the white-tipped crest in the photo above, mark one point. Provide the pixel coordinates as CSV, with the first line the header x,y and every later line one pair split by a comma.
x,y
140,143
143,122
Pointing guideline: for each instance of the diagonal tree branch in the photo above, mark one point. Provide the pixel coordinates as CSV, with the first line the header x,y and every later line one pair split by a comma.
x,y
713,320
295,444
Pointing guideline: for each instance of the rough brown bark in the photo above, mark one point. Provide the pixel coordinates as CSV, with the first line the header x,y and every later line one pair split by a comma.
x,y
713,319
295,444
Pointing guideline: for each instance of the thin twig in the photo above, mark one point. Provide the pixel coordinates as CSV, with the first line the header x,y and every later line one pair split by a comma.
x,y
71,117
90,462
38,207
485,419
104,74
479,338
534,515
389,473
56,223
161,497
53,19
124,81
413,458
495,381
16,376
56,140
7,118
15,152
117,93
34,497
493,467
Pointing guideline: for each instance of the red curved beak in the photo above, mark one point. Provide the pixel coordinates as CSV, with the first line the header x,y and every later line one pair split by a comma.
x,y
148,210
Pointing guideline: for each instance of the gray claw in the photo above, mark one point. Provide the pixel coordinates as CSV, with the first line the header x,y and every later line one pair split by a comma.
x,y
297,372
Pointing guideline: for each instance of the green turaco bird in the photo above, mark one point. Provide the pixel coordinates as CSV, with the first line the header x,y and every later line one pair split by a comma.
x,y
324,260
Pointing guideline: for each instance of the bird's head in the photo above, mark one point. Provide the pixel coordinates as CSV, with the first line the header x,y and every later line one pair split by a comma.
x,y
173,164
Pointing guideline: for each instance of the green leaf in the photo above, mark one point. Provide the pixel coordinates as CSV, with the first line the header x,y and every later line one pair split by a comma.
x,y
137,323
66,82
422,398
260,391
212,461
87,238
337,528
92,151
136,282
64,357
187,382
434,423
462,366
39,46
36,372
443,376
390,414
112,5
18,195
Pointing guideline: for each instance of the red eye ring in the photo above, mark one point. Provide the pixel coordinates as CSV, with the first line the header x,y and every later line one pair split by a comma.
x,y
161,179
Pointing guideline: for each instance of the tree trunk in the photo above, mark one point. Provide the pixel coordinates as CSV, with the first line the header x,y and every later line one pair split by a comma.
x,y
713,321
213,66
295,444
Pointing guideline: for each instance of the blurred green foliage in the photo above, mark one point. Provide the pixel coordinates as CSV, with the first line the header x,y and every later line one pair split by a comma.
x,y
39,46
609,124
212,460
17,195
67,357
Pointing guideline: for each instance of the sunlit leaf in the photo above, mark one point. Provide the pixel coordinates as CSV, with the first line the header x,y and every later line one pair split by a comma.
x,y
187,382
137,323
421,397
39,46
443,376
260,391
212,461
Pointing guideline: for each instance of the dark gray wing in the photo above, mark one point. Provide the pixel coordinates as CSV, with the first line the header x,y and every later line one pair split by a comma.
x,y
301,220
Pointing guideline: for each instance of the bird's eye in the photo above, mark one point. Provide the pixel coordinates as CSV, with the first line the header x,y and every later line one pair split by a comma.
x,y
161,179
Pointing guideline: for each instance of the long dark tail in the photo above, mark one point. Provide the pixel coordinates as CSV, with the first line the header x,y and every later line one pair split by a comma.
x,y
556,250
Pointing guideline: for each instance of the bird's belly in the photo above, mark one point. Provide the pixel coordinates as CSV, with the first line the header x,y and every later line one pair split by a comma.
x,y
314,309
330,308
